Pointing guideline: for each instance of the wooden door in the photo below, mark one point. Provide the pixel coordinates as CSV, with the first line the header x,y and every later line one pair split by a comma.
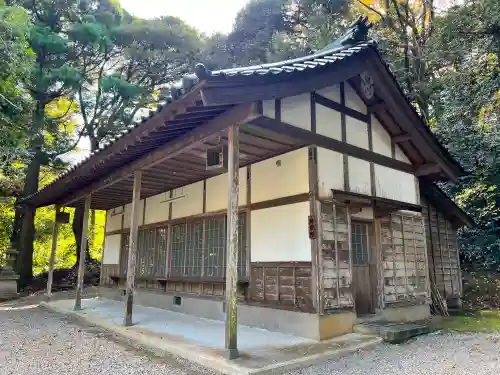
x,y
361,267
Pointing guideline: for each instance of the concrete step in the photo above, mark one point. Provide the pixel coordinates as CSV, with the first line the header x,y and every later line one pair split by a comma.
x,y
391,332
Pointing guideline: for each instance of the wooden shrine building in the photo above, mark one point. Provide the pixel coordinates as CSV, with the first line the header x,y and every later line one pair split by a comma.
x,y
293,196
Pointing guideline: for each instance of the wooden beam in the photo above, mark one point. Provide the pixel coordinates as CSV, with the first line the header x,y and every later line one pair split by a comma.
x,y
50,276
231,343
132,252
83,250
329,143
377,107
427,169
239,114
401,138
342,108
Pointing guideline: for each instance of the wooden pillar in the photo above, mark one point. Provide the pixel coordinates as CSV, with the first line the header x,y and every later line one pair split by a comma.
x,y
231,346
55,229
132,250
83,250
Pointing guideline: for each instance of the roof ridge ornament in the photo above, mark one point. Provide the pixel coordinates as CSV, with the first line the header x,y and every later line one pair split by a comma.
x,y
357,32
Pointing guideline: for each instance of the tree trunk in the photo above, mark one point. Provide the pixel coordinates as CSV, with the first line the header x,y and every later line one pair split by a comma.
x,y
24,261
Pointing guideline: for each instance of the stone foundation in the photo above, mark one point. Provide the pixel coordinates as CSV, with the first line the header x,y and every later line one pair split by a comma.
x,y
406,313
8,287
312,326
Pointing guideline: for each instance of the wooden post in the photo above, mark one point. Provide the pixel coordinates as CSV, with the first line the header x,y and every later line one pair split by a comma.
x,y
132,250
233,136
52,259
83,250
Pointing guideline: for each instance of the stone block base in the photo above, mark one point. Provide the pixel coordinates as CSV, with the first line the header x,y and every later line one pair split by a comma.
x,y
8,288
406,313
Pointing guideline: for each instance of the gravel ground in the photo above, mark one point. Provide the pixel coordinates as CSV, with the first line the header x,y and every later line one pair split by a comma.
x,y
36,342
435,354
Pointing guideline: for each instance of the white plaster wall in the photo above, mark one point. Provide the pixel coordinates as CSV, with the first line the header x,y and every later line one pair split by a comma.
x,y
191,204
217,190
366,213
112,249
400,155
268,108
359,176
328,122
114,219
156,211
352,100
281,176
381,140
128,214
296,110
357,133
330,172
397,185
331,92
280,234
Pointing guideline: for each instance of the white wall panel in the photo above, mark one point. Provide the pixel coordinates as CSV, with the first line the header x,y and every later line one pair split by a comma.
x,y
114,219
281,176
381,139
357,132
359,176
280,234
396,185
217,190
191,204
331,92
156,208
400,155
330,172
128,212
352,100
296,110
112,249
268,108
328,122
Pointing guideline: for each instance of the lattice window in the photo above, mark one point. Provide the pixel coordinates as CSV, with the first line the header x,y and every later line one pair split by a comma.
x,y
194,249
242,245
359,243
404,258
146,252
161,243
215,250
178,249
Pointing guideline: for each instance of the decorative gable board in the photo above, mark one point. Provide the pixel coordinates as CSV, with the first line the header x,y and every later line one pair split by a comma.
x,y
353,101
296,110
328,122
380,138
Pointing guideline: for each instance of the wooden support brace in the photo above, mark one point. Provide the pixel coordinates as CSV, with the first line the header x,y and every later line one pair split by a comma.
x,y
427,169
401,138
231,344
55,230
132,252
83,248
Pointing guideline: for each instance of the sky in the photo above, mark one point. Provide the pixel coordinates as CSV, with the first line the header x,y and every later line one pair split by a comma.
x,y
208,16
